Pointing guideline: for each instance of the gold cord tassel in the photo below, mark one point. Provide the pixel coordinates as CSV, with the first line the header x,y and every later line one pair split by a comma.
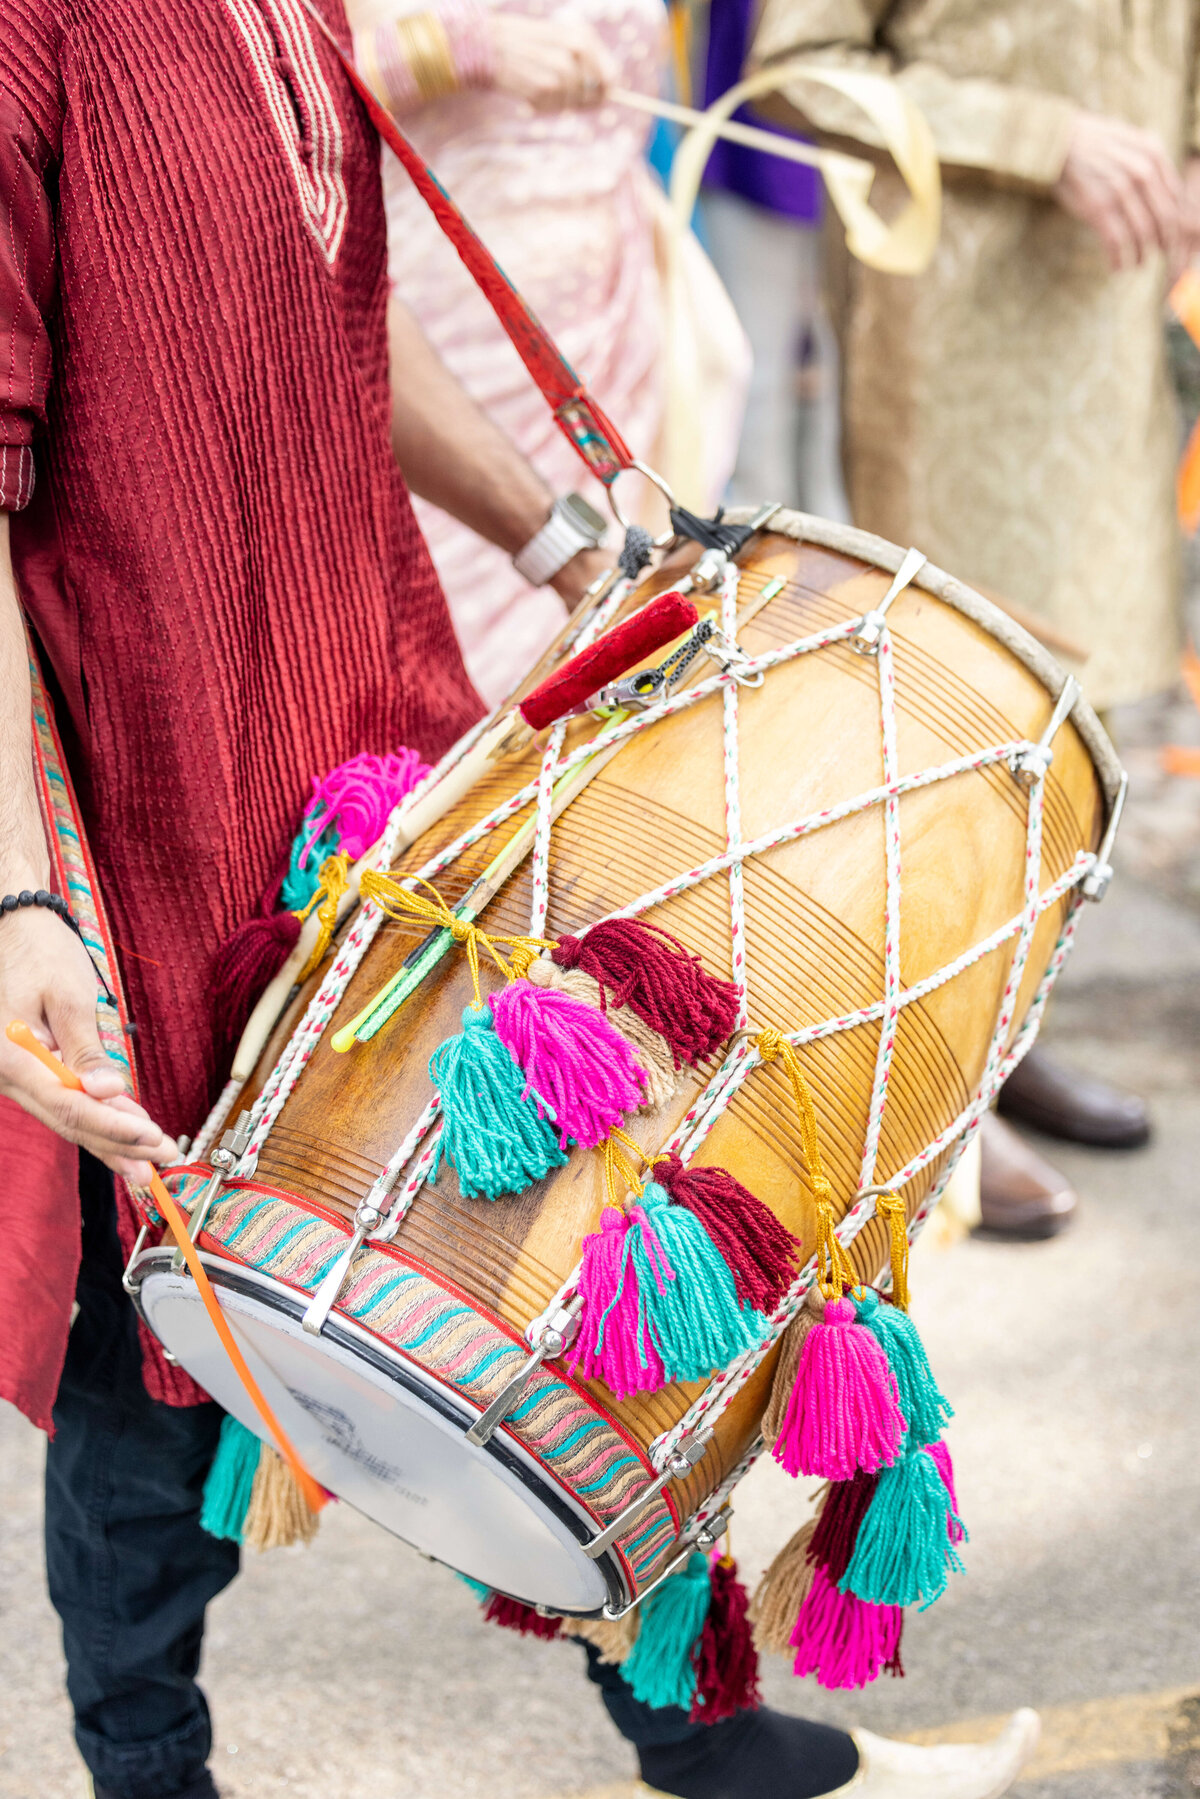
x,y
835,1271
386,892
278,1513
334,879
891,1208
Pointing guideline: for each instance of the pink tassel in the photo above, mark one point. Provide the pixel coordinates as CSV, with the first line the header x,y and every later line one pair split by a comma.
x,y
843,1413
940,1454
514,1614
725,1659
357,797
842,1640
577,1066
614,1343
761,1253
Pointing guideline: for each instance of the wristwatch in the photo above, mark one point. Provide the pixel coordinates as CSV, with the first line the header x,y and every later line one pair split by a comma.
x,y
573,525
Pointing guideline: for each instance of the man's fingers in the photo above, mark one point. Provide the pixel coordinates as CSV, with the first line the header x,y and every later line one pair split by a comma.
x,y
78,1040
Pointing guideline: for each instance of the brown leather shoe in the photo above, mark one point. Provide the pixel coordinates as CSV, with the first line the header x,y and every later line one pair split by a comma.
x,y
1020,1194
1064,1103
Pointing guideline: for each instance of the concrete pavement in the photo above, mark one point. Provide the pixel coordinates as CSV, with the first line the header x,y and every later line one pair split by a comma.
x,y
355,1668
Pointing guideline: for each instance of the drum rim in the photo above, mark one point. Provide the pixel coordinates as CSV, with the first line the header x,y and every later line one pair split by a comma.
x,y
441,1398
830,534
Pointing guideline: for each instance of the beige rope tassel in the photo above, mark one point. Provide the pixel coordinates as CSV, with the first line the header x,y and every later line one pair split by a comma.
x,y
277,1514
781,1592
613,1637
786,1369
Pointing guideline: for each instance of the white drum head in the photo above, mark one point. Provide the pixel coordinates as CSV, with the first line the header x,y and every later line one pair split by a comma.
x,y
385,1437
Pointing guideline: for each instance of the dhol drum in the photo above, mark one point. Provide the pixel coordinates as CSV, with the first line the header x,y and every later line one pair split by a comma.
x,y
878,805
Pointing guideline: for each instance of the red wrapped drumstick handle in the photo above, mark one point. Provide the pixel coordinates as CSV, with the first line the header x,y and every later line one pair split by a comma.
x,y
614,654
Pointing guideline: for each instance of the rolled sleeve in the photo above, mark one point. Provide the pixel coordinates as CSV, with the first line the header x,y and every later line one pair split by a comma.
x,y
27,270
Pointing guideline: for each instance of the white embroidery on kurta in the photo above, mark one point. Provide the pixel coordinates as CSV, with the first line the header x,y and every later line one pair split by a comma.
x,y
314,153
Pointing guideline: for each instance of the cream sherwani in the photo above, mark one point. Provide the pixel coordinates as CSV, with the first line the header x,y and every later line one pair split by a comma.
x,y
1009,411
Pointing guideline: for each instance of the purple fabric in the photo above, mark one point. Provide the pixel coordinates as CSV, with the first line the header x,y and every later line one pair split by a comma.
x,y
782,187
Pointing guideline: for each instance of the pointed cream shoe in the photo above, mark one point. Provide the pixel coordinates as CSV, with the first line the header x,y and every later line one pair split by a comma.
x,y
889,1770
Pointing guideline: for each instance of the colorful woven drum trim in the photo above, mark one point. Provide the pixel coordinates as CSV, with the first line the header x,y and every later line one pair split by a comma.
x,y
72,867
403,1306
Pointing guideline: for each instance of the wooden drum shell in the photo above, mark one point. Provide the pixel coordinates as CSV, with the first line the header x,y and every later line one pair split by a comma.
x,y
810,737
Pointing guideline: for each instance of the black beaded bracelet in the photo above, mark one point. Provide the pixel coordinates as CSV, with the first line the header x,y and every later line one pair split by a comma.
x,y
54,902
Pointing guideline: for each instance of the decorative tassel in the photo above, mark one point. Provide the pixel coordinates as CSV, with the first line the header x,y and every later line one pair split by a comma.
x,y
497,1140
651,1050
356,799
786,1370
844,1410
513,1614
230,1481
696,1321
571,1055
926,1409
904,1555
332,883
249,959
940,1455
614,1342
613,1637
646,968
726,1661
837,1528
482,1593
760,1252
278,1513
782,1591
841,1639
660,1670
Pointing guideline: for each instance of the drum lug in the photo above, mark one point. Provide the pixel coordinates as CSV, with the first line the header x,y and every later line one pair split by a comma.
x,y
1031,765
706,1538
1095,883
127,1281
866,639
366,1219
561,1330
682,1459
223,1160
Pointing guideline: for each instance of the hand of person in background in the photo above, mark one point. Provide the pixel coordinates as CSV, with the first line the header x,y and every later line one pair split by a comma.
x,y
551,63
1120,180
573,581
1191,206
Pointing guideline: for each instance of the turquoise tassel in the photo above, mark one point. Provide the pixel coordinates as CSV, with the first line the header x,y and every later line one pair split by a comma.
x,y
696,1321
903,1554
482,1593
230,1480
490,1132
926,1409
659,1667
299,884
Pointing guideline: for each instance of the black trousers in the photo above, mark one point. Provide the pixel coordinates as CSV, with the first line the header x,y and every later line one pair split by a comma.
x,y
130,1570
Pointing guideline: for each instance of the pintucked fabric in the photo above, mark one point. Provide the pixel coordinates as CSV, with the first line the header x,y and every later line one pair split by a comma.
x,y
215,549
1009,411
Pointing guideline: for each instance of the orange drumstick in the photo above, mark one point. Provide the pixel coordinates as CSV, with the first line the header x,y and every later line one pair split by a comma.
x,y
315,1496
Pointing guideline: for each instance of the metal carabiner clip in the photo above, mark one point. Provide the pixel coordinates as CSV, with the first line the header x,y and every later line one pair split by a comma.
x,y
649,685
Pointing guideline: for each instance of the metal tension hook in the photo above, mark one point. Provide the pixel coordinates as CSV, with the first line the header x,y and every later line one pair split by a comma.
x,y
1032,764
870,629
682,1459
560,1332
223,1158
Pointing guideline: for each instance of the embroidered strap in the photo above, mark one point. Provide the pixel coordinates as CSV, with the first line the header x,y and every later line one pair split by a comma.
x,y
581,421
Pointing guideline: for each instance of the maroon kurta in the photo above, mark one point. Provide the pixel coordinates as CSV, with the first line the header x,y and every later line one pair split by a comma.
x,y
210,535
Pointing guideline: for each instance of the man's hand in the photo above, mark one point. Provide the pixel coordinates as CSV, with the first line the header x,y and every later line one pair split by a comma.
x,y
1120,180
551,63
47,979
572,581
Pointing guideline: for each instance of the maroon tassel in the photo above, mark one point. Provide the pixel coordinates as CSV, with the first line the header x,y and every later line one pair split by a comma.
x,y
249,959
640,965
834,1538
514,1614
761,1253
725,1659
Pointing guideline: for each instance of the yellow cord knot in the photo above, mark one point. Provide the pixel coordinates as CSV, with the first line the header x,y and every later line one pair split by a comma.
x,y
835,1270
892,1209
398,901
619,1170
333,879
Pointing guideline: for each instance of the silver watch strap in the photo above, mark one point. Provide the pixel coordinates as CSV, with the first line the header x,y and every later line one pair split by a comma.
x,y
560,538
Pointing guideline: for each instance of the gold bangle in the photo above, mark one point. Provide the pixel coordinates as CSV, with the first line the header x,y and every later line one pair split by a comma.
x,y
425,47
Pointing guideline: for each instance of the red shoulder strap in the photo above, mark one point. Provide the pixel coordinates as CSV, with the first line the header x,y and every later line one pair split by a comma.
x,y
593,435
